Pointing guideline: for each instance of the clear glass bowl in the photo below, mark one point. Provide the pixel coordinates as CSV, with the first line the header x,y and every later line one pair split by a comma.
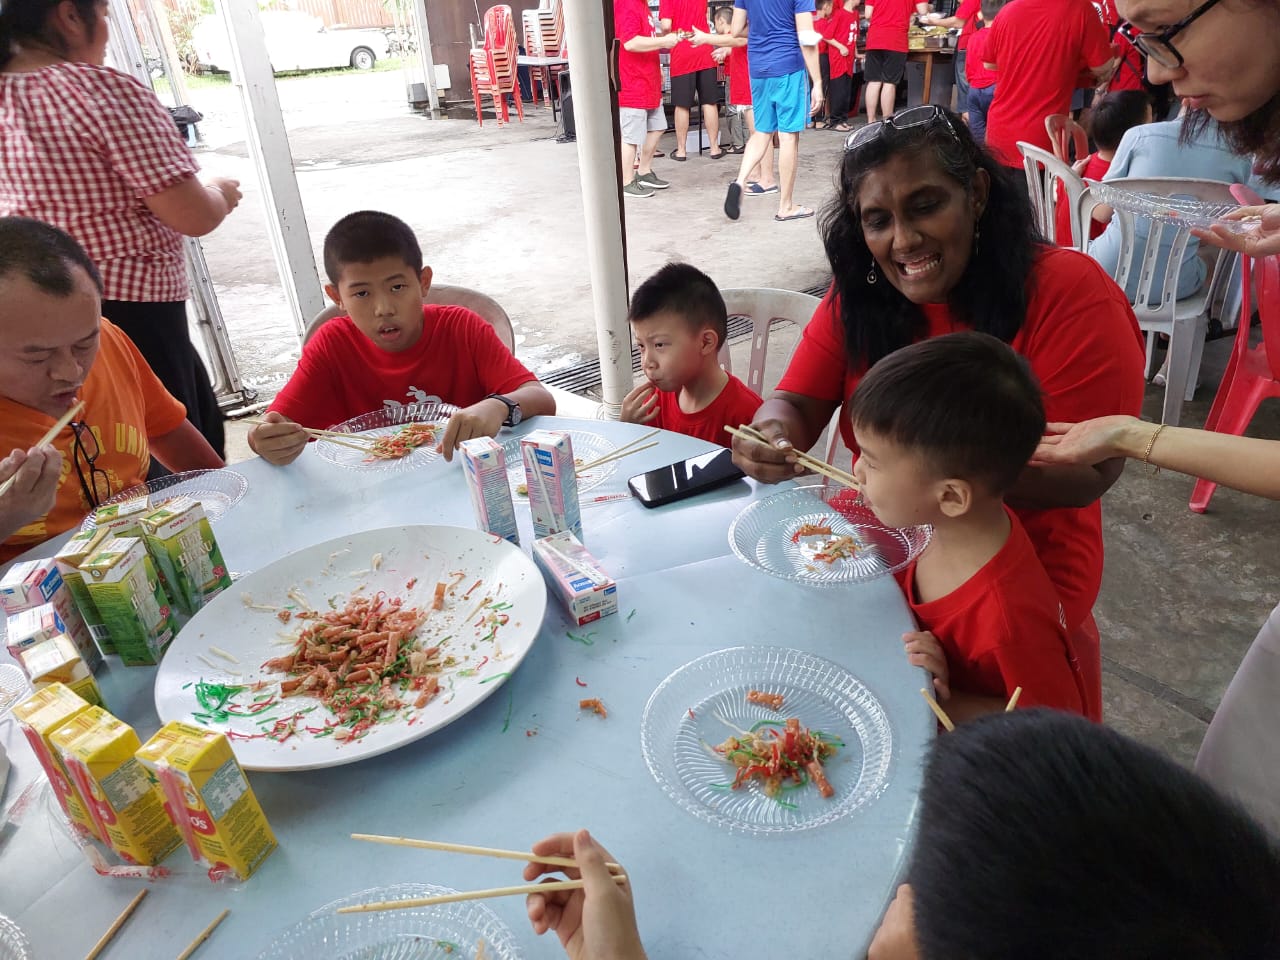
x,y
13,685
701,704
13,943
1177,211
586,447
381,423
768,535
448,931
217,490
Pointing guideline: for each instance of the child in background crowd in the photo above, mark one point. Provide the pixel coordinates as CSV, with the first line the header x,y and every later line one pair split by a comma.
x,y
945,427
887,44
841,36
821,22
981,81
680,321
739,112
392,349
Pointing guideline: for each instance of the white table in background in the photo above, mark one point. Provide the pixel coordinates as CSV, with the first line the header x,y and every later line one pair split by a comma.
x,y
816,893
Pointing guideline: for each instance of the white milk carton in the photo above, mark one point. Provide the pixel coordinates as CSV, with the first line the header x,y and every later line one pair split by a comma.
x,y
574,575
552,477
485,466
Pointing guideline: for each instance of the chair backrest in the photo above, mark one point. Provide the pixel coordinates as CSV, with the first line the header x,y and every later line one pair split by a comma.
x,y
1240,754
1065,133
1082,215
1044,172
441,293
765,306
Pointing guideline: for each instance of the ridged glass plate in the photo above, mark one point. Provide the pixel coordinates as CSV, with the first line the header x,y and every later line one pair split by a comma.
x,y
385,423
586,447
702,703
771,534
1177,211
217,490
13,685
448,931
13,943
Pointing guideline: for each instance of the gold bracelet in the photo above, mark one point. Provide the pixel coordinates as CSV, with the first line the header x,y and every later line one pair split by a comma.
x,y
1146,457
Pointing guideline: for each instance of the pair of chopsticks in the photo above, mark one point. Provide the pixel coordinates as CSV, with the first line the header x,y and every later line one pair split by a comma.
x,y
128,912
525,856
52,432
942,714
809,462
352,440
626,450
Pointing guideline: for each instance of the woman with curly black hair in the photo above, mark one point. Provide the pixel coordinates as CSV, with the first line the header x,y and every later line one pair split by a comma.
x,y
928,235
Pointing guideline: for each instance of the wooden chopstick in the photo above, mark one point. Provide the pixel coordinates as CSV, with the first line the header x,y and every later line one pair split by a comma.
x,y
616,455
524,888
353,438
120,920
52,432
809,462
204,935
937,711
625,446
1013,700
524,855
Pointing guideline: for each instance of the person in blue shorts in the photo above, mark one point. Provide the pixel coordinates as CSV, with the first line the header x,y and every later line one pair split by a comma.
x,y
786,87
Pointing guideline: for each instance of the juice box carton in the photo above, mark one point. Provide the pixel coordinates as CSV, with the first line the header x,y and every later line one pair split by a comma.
x,y
484,464
181,543
209,798
58,661
40,716
123,519
33,583
30,627
552,477
73,553
586,591
124,584
98,752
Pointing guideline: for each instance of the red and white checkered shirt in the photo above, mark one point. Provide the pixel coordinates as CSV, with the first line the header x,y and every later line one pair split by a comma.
x,y
80,146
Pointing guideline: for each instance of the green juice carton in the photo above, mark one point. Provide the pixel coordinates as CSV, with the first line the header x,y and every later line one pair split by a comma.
x,y
73,553
123,519
124,584
181,542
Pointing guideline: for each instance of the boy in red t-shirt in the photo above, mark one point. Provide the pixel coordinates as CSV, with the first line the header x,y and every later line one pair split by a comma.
x,y
944,427
680,321
739,113
841,36
392,349
888,28
980,82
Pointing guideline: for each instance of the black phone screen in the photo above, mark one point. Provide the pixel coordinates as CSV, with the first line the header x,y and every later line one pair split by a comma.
x,y
685,478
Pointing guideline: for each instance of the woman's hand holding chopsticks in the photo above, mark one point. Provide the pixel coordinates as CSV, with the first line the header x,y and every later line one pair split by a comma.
x,y
277,439
597,922
769,459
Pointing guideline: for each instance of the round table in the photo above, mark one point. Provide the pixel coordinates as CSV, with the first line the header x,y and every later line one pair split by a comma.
x,y
473,782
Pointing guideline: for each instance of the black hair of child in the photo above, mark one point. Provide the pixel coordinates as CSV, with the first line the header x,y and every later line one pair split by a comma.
x,y
966,402
44,255
1044,835
1116,113
366,236
687,292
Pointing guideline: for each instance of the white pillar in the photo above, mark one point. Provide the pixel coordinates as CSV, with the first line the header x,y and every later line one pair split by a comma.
x,y
425,60
269,147
593,109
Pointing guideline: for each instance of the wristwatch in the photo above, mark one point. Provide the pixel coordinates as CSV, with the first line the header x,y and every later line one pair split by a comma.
x,y
514,416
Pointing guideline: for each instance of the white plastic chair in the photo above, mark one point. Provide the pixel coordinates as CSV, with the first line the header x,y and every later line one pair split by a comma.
x,y
765,306
441,293
1240,754
1184,321
1044,172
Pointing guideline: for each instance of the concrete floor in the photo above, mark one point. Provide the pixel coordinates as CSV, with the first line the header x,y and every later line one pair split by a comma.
x,y
499,208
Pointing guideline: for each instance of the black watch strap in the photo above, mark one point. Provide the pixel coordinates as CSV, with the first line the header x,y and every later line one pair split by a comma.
x,y
512,407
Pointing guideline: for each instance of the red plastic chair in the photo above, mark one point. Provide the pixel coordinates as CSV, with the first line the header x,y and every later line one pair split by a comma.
x,y
1252,375
1064,133
493,67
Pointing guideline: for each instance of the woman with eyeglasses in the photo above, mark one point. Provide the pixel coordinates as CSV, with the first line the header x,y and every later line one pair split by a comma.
x,y
928,235
92,151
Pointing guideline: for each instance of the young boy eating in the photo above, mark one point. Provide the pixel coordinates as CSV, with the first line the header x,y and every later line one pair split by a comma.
x,y
392,349
680,322
944,427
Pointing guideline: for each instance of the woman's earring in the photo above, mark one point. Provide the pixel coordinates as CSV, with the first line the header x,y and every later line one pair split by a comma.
x,y
871,274
977,235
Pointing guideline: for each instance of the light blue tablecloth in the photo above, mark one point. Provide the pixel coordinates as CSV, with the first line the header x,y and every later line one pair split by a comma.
x,y
473,783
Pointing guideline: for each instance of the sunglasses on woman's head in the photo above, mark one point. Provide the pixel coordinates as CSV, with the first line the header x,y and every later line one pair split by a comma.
x,y
921,116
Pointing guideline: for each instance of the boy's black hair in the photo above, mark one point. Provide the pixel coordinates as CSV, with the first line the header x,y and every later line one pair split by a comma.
x,y
1044,835
964,401
989,10
686,291
44,255
723,14
1116,113
369,235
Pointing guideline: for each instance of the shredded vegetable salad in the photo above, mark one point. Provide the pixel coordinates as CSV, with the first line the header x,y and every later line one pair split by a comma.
x,y
403,442
827,545
781,755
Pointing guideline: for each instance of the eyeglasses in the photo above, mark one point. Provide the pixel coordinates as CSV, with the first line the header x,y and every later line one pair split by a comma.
x,y
84,454
920,116
1159,46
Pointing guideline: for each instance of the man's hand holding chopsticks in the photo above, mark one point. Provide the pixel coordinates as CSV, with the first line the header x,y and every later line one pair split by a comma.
x,y
28,487
278,440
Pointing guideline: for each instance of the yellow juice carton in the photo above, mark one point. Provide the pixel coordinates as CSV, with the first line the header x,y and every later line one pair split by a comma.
x,y
209,798
586,591
552,477
124,584
73,553
120,796
33,583
484,464
40,716
123,519
181,543
58,661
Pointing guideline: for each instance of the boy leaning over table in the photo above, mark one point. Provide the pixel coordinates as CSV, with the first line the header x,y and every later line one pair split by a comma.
x,y
56,349
393,350
1041,835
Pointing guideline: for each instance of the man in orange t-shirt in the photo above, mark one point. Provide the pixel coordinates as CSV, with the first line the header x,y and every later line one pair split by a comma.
x,y
54,350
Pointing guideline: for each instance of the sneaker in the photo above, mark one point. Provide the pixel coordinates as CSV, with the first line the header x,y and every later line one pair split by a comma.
x,y
636,189
652,181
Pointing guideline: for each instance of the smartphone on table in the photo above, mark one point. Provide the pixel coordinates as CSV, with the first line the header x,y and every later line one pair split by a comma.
x,y
685,478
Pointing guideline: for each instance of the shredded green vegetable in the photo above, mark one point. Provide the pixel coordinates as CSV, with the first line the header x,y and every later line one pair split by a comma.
x,y
506,721
586,639
505,673
214,700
